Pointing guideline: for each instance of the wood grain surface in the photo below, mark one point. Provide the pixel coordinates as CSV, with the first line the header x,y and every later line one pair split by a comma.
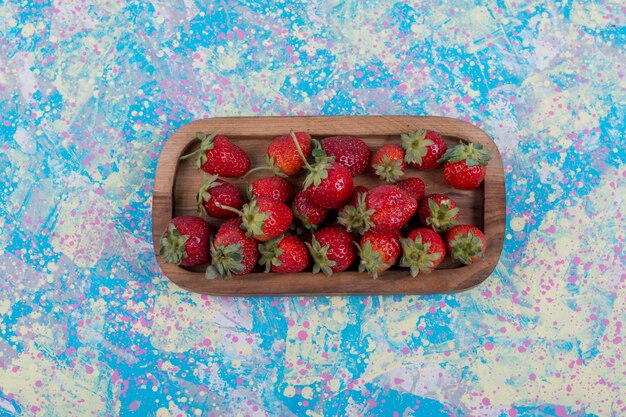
x,y
177,183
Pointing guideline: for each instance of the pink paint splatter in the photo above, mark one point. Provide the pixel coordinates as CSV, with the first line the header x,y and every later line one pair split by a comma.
x,y
560,411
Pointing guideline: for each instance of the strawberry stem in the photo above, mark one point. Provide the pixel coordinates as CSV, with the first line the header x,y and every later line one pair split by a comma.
x,y
206,144
189,155
295,140
261,168
229,208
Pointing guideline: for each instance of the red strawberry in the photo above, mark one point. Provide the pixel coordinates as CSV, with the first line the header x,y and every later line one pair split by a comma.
x,y
332,249
388,162
438,211
283,154
423,149
264,218
277,188
285,254
214,191
414,187
423,250
330,190
309,214
466,243
349,151
385,207
185,242
465,165
232,252
330,182
379,251
218,155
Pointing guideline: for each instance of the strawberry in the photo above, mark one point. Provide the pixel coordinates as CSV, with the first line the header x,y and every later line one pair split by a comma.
x,y
232,252
379,251
218,155
285,254
333,250
277,188
264,218
309,214
214,191
349,151
466,243
414,187
388,162
423,149
331,189
438,211
465,165
185,242
385,207
330,182
422,251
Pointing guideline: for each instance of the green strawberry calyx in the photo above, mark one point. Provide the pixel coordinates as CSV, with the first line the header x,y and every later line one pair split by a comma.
x,y
472,153
318,153
466,248
416,256
317,173
371,260
252,218
319,170
225,261
320,257
173,245
357,218
415,146
203,194
270,253
389,170
206,143
442,217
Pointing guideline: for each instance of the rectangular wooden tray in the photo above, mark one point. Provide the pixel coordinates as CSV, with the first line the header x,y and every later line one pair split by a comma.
x,y
177,183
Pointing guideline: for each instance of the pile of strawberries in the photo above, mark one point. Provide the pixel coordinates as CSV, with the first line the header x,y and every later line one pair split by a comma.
x,y
327,223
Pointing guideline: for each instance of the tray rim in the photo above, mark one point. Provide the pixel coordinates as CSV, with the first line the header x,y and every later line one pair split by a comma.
x,y
494,221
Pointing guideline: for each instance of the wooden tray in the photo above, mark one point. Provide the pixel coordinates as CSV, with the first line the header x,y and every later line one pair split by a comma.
x,y
177,182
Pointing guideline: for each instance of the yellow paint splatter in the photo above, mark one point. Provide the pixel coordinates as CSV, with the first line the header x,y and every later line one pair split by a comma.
x,y
28,30
518,223
289,391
